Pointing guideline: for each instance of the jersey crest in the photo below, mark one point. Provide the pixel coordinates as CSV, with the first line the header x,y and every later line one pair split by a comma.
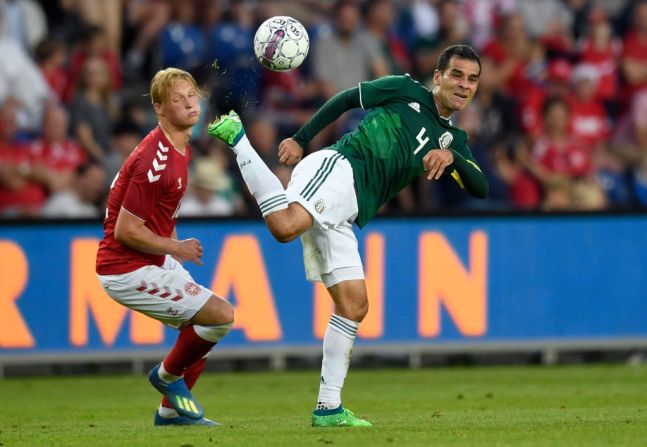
x,y
445,140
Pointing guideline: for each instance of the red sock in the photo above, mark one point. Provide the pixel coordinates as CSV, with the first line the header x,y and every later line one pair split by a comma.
x,y
190,377
188,349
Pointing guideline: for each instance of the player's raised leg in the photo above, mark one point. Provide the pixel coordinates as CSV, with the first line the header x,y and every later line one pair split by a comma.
x,y
351,306
262,183
285,221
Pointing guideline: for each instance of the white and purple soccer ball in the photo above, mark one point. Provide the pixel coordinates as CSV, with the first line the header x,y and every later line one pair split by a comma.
x,y
281,43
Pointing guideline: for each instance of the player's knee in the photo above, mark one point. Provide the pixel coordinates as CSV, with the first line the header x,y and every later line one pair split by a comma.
x,y
212,333
282,230
282,235
354,309
361,309
287,224
215,311
227,313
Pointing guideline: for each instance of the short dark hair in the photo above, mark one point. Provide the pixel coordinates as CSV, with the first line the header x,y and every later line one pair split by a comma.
x,y
460,51
553,101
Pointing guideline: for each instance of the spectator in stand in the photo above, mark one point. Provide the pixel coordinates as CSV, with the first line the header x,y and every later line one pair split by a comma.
x,y
589,120
629,138
557,83
542,16
346,56
93,44
51,56
94,108
483,17
600,50
381,16
612,176
83,198
290,97
562,163
20,194
511,50
19,74
144,19
236,73
55,156
182,42
23,21
634,54
557,151
126,135
424,18
106,14
207,194
342,57
452,29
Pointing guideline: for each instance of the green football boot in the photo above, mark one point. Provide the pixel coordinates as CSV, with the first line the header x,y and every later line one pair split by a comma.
x,y
339,417
227,128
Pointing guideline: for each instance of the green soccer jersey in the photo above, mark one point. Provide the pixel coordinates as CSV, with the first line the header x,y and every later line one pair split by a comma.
x,y
387,147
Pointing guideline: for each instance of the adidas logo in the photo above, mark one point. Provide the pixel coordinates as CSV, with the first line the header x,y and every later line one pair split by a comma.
x,y
415,106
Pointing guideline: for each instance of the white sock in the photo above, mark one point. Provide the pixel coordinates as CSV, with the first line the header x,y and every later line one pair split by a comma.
x,y
261,181
165,375
167,413
337,348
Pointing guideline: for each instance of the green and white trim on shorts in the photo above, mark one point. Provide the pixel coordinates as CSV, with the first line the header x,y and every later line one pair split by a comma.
x,y
323,184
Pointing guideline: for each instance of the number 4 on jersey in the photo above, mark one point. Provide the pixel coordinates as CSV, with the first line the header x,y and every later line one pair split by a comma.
x,y
421,141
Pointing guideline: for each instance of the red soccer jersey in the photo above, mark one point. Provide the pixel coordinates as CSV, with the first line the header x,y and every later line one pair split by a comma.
x,y
59,157
572,159
150,186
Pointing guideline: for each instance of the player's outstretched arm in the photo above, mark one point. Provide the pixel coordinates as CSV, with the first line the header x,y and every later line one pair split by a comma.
x,y
329,112
131,231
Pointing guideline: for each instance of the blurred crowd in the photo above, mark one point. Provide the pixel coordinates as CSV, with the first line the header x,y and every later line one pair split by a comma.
x,y
559,121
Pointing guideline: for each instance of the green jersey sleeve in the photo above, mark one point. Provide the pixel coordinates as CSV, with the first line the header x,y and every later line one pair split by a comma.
x,y
329,112
382,90
466,171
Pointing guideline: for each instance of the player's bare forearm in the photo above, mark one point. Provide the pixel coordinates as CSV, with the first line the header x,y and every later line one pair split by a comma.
x,y
132,232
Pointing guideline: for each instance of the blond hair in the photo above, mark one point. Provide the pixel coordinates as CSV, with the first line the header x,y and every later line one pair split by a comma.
x,y
165,79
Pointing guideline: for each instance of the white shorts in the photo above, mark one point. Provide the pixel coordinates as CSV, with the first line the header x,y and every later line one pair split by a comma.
x,y
323,184
167,293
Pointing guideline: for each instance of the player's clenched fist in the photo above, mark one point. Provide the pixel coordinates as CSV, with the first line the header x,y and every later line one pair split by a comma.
x,y
189,250
290,152
435,161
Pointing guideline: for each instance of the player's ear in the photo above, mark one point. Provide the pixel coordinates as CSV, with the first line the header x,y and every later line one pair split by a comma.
x,y
436,78
158,108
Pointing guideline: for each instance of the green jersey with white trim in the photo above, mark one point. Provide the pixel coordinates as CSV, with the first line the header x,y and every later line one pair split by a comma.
x,y
387,147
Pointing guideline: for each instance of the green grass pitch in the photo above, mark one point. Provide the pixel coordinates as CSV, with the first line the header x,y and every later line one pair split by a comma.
x,y
589,405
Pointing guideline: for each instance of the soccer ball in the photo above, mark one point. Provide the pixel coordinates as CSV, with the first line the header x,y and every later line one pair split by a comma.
x,y
281,43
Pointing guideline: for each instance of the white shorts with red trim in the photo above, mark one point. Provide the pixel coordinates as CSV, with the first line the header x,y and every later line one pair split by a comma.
x,y
167,293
